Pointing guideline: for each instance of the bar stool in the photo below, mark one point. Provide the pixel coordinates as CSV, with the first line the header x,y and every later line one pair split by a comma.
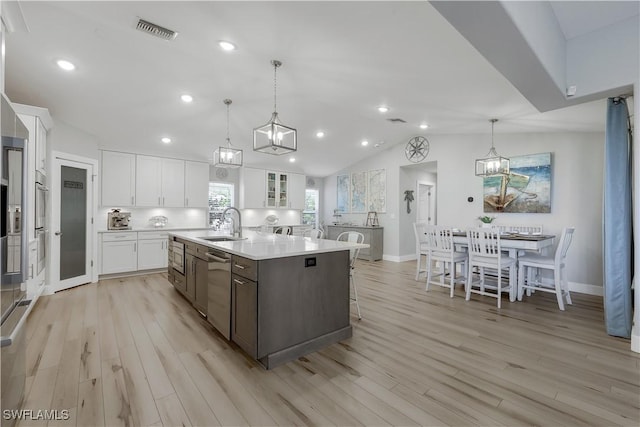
x,y
353,237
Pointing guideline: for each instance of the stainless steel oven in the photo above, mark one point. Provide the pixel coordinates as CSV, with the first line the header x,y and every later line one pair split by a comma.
x,y
41,201
177,260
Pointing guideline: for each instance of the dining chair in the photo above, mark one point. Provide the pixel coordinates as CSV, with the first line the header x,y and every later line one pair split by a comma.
x,y
353,237
422,247
485,252
442,249
283,230
557,263
527,229
314,233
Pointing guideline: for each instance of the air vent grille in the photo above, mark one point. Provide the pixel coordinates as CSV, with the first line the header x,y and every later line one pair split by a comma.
x,y
397,120
155,30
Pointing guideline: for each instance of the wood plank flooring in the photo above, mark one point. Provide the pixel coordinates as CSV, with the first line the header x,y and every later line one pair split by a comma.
x,y
133,352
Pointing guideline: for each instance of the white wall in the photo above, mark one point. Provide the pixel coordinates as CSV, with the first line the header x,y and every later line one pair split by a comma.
x,y
68,139
577,170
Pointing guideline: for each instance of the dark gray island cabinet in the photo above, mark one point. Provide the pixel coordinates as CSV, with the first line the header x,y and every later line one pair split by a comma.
x,y
283,308
277,297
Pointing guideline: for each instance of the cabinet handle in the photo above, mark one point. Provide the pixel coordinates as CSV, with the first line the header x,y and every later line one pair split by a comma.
x,y
132,200
241,267
159,201
31,271
135,247
239,282
163,201
186,201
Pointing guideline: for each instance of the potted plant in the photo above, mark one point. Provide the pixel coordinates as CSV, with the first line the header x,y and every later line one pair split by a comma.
x,y
486,220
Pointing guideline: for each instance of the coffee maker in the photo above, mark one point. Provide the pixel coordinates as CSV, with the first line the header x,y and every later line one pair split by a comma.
x,y
117,220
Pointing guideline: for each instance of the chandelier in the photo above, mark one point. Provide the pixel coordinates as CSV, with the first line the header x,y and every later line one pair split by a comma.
x,y
227,157
493,163
274,137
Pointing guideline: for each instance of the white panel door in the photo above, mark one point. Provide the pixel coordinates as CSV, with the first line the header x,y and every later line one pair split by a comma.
x,y
297,186
196,184
148,181
172,183
118,179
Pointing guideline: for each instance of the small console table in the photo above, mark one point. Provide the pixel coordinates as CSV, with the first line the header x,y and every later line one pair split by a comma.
x,y
373,236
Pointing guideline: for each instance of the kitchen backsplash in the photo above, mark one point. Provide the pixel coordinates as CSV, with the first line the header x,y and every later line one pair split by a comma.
x,y
253,217
178,217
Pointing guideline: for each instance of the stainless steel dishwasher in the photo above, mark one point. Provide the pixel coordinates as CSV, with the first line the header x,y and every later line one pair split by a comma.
x,y
219,292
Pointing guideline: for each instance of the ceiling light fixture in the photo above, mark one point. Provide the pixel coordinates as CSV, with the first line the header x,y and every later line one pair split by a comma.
x,y
493,164
225,45
365,143
274,137
424,126
320,134
65,65
186,98
383,108
227,157
166,140
292,159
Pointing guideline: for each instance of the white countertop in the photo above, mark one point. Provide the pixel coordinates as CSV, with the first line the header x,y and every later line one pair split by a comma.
x,y
167,229
259,246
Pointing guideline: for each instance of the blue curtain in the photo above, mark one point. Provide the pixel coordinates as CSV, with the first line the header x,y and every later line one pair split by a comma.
x,y
617,239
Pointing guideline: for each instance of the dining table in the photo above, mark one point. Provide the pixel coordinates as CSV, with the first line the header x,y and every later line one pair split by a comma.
x,y
514,242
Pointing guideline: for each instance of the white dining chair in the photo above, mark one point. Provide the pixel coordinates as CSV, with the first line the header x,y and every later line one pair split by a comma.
x,y
485,252
441,249
532,263
422,248
314,233
286,230
353,237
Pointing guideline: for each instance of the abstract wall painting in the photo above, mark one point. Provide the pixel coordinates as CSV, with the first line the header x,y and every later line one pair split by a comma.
x,y
377,191
344,199
359,192
527,188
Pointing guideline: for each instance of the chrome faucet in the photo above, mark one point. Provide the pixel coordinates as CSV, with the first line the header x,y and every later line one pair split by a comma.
x,y
233,230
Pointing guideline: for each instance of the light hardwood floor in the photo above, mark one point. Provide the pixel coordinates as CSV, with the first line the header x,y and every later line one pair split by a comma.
x,y
133,352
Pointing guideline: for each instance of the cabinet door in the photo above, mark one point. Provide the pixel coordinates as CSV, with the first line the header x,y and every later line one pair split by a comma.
x,y
41,146
148,181
172,183
190,275
196,185
283,190
30,124
119,257
152,254
201,299
297,187
252,188
118,179
272,189
244,314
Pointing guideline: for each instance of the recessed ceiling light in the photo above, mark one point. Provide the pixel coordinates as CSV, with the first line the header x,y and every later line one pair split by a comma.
x,y
65,65
292,159
383,108
225,45
320,134
166,140
424,126
186,98
365,143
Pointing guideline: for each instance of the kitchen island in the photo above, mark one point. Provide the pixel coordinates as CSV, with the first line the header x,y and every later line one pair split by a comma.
x,y
277,297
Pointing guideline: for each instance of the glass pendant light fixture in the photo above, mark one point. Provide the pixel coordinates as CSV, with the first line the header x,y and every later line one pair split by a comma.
x,y
274,137
227,157
493,164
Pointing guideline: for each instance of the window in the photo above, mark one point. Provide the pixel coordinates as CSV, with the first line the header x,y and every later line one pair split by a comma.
x,y
220,198
311,206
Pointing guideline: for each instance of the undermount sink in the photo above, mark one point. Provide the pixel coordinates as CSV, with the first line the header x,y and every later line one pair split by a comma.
x,y
222,238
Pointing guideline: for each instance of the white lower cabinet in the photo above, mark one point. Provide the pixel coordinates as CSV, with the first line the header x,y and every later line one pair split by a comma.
x,y
119,252
152,250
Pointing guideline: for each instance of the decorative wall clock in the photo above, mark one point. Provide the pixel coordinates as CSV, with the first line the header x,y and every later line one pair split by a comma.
x,y
222,173
417,149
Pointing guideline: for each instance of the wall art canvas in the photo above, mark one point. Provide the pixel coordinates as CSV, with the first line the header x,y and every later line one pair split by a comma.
x,y
343,201
359,192
377,191
527,188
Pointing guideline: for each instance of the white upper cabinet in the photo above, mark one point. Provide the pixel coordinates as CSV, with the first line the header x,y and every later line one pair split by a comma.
x,y
118,179
297,186
159,182
41,146
252,188
196,184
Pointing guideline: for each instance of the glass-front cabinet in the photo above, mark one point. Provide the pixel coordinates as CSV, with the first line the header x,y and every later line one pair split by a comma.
x,y
277,190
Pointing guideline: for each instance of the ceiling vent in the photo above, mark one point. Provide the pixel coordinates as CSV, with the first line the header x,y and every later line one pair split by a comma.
x,y
155,30
397,120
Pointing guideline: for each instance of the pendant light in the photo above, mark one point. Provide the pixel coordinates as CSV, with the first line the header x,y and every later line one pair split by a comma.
x,y
227,157
274,137
493,164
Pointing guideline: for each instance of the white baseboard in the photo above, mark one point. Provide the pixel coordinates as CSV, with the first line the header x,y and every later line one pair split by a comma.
x,y
586,288
635,339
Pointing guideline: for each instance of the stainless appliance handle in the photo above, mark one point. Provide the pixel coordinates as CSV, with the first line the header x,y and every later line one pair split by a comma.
x,y
7,340
217,258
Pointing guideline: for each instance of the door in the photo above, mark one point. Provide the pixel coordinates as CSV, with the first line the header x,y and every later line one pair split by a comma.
x,y
426,203
72,240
